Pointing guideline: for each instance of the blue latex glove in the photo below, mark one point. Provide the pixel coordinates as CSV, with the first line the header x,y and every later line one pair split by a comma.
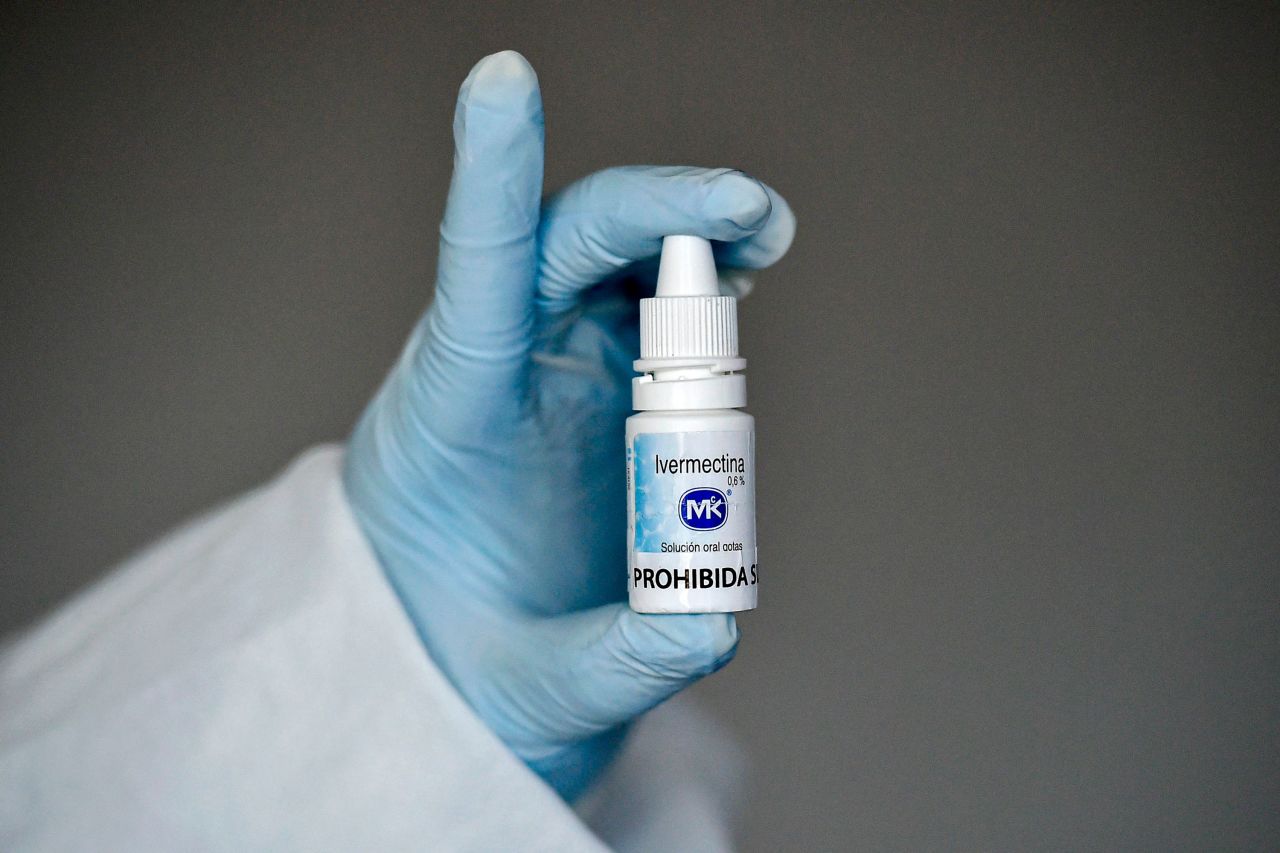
x,y
488,471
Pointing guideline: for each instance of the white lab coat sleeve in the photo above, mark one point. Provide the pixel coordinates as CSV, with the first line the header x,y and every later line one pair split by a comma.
x,y
252,683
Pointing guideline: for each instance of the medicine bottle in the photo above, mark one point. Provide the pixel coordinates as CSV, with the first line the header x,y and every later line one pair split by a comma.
x,y
691,528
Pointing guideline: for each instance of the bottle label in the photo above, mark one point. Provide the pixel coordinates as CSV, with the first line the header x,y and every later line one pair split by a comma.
x,y
692,530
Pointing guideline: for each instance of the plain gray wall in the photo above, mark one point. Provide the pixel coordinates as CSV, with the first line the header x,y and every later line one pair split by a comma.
x,y
1018,383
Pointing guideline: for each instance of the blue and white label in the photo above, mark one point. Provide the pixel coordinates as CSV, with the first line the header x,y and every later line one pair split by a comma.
x,y
692,530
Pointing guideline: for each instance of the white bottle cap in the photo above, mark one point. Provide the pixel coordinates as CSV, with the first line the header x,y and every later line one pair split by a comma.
x,y
688,318
688,335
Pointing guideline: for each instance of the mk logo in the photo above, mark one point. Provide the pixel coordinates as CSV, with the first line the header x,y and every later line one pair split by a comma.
x,y
703,509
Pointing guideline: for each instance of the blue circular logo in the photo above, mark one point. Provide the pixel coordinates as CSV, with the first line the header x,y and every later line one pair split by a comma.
x,y
703,509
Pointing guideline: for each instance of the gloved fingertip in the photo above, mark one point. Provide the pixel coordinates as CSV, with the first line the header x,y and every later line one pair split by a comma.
x,y
726,645
679,647
728,638
781,231
500,81
740,199
770,241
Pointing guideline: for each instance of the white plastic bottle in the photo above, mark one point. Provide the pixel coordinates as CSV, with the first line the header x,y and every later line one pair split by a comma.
x,y
691,529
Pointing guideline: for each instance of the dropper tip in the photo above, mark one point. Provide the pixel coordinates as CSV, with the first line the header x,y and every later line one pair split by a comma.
x,y
687,268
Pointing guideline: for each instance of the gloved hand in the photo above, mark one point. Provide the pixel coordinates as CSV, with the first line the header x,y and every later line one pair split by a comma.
x,y
488,472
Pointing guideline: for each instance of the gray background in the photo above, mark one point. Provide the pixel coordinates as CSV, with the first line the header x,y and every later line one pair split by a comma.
x,y
1016,383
